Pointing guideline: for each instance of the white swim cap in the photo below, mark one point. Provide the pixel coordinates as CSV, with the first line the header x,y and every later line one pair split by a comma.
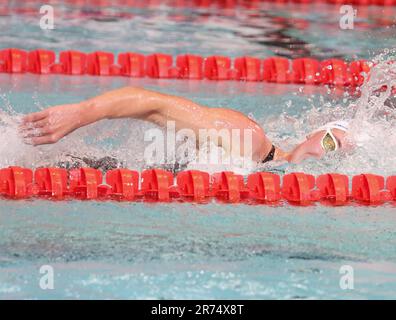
x,y
342,125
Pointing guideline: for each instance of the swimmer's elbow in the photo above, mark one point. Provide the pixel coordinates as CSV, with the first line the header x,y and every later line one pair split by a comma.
x,y
142,92
152,101
131,90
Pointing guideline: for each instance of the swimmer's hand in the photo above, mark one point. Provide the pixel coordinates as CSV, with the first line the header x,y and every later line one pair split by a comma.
x,y
52,124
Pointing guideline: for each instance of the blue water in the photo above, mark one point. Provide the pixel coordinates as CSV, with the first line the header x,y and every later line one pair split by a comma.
x,y
290,30
186,251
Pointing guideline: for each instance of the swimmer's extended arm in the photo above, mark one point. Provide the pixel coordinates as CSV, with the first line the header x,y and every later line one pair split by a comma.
x,y
52,124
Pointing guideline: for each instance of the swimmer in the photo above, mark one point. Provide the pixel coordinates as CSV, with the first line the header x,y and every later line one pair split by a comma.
x,y
52,124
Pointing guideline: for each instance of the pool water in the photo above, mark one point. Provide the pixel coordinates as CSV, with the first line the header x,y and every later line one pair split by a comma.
x,y
289,30
182,250
185,251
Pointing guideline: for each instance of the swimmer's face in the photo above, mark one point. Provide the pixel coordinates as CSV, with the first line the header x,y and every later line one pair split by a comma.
x,y
312,146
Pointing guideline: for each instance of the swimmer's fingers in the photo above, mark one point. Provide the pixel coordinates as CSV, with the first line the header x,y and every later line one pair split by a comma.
x,y
37,136
34,117
34,125
48,139
36,132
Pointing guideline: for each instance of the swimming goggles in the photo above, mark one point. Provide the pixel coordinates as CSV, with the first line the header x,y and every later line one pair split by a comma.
x,y
329,142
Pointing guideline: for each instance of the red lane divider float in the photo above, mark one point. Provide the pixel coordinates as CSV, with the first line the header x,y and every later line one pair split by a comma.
x,y
229,187
158,185
194,185
334,188
162,66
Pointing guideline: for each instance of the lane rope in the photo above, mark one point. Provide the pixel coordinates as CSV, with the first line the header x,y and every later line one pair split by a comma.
x,y
158,185
186,66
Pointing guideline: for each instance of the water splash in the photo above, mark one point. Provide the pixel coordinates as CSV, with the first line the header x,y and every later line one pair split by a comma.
x,y
115,139
372,119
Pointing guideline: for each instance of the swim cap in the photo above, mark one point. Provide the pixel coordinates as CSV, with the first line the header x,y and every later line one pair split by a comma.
x,y
342,125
